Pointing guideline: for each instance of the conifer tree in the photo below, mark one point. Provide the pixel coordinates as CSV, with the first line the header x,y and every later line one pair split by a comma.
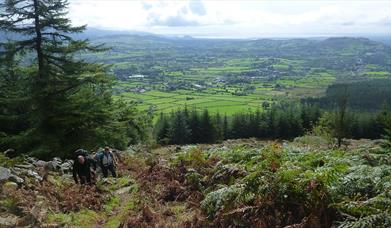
x,y
195,127
179,132
71,103
219,127
226,132
14,101
208,128
162,134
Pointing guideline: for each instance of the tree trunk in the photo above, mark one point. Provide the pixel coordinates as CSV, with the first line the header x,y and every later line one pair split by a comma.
x,y
38,42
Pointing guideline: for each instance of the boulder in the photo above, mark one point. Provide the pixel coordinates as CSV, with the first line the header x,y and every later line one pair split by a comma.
x,y
16,179
31,160
5,174
54,165
18,171
39,163
10,153
35,175
25,166
57,159
67,166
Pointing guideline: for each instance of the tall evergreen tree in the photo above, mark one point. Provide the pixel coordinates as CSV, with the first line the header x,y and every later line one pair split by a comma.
x,y
179,133
195,127
71,103
14,101
208,128
226,130
340,120
219,127
162,134
383,119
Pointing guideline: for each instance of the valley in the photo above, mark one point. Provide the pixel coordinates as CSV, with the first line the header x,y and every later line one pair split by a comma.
x,y
161,74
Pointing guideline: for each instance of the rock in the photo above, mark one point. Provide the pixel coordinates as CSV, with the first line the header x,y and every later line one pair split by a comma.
x,y
31,160
54,165
16,179
39,163
123,190
5,173
57,159
35,175
10,153
25,166
67,166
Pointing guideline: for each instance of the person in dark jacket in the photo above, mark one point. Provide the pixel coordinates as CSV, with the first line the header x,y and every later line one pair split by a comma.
x,y
107,162
82,169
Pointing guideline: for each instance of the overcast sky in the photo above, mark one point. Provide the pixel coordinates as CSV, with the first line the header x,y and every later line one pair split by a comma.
x,y
237,19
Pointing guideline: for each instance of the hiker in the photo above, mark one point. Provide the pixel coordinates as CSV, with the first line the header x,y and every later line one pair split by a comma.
x,y
82,167
107,162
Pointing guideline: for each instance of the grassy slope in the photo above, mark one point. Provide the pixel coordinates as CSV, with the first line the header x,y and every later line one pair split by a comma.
x,y
269,184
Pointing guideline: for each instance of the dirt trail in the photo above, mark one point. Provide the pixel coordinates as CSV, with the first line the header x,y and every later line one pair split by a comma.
x,y
155,201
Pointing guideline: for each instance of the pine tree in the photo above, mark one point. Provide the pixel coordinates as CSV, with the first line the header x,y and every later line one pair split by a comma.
x,y
218,122
163,127
195,127
226,130
14,101
387,144
340,120
179,132
383,119
208,128
71,103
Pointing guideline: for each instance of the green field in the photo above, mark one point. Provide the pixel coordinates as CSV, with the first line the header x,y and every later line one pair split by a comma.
x,y
229,76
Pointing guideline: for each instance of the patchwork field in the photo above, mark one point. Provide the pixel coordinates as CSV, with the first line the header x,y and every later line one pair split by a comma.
x,y
223,103
229,76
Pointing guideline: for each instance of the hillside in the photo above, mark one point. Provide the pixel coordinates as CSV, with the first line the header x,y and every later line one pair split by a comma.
x,y
161,73
244,183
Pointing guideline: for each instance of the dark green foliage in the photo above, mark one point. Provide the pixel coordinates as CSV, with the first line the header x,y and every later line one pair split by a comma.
x,y
179,132
208,128
282,121
364,95
162,130
14,100
195,127
70,101
279,186
387,144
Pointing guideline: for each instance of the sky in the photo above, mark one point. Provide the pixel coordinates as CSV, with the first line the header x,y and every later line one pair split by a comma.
x,y
237,19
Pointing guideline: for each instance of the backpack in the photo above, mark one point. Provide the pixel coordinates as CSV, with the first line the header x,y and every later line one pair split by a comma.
x,y
80,152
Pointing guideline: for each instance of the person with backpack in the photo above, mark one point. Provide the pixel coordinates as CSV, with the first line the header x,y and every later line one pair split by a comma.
x,y
82,165
107,162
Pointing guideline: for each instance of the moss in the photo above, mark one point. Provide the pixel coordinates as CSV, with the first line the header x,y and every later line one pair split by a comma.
x,y
114,202
114,222
111,185
10,162
11,205
124,181
83,218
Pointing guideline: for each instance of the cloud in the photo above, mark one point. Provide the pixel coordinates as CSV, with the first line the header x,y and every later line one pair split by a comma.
x,y
232,18
385,21
348,23
147,6
172,21
196,7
